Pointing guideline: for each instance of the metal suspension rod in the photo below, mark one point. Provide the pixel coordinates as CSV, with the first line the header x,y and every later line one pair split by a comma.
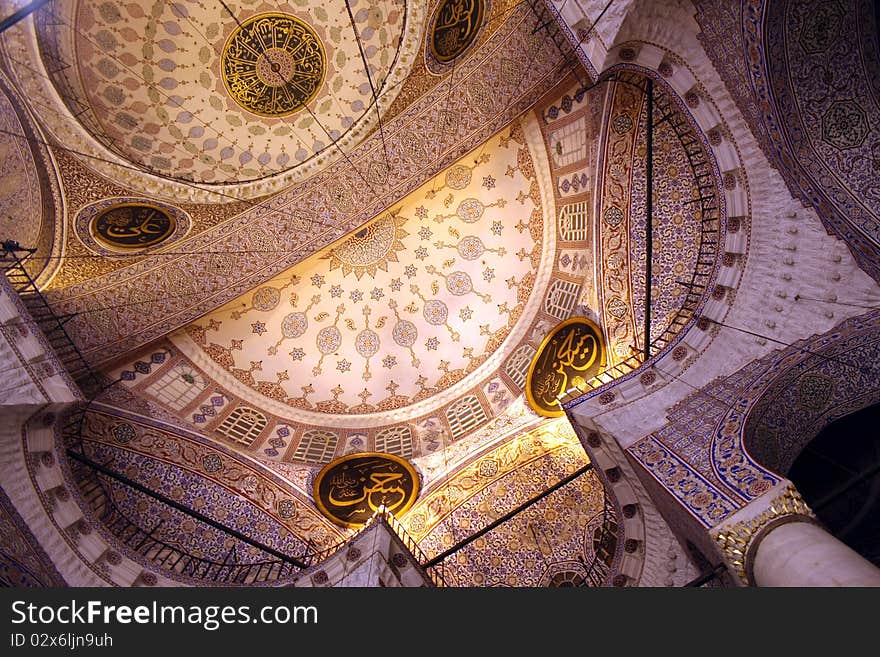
x,y
649,219
507,516
82,458
706,577
25,11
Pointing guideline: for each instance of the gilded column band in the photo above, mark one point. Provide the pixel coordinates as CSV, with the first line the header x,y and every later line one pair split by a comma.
x,y
739,542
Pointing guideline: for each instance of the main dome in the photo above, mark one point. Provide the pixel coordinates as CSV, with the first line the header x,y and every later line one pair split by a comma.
x,y
247,100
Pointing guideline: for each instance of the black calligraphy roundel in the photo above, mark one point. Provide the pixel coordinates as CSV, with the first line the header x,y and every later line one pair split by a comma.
x,y
573,353
273,64
132,226
351,489
455,27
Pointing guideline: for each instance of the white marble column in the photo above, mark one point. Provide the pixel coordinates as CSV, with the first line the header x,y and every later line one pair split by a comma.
x,y
775,540
801,553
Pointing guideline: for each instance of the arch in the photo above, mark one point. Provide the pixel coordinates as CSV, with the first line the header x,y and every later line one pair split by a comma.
x,y
465,415
316,446
561,298
517,365
395,440
722,241
243,425
575,224
831,378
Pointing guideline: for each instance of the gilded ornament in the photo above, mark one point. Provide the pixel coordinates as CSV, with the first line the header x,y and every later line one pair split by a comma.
x,y
573,350
737,541
351,489
455,27
132,226
273,64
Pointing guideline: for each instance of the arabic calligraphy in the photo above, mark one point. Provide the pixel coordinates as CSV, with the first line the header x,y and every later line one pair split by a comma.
x,y
573,353
132,226
273,64
455,27
351,489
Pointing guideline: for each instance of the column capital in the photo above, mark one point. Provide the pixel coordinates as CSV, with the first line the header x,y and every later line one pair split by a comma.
x,y
740,534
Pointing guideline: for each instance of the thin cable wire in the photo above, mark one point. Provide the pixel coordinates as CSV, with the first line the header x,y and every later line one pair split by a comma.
x,y
143,166
360,45
146,170
254,204
215,47
870,372
566,57
798,297
515,94
229,11
593,26
290,82
702,391
132,303
452,85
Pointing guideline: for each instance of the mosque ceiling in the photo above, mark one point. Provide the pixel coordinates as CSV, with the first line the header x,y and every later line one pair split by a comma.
x,y
225,251
543,547
409,334
363,328
386,291
189,92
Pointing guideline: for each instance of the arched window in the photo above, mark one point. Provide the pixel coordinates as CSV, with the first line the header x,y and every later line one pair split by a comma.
x,y
518,364
574,223
243,425
568,144
177,387
561,298
464,415
316,446
396,440
566,579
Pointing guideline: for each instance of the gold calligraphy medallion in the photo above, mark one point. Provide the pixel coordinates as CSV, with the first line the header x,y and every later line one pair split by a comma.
x,y
455,27
351,489
273,64
132,226
573,353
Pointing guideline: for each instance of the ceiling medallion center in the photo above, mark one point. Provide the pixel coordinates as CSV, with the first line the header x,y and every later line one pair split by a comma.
x,y
273,64
275,67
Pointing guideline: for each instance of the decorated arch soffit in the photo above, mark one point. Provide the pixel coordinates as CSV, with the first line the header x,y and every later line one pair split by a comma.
x,y
495,80
806,76
735,440
550,540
